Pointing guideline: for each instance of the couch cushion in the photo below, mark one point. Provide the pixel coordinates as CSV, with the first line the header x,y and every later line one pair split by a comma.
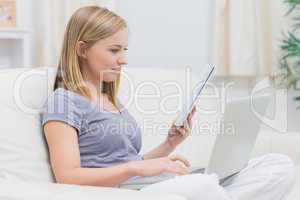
x,y
22,147
30,190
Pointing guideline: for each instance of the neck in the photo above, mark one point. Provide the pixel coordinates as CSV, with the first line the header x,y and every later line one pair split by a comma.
x,y
94,85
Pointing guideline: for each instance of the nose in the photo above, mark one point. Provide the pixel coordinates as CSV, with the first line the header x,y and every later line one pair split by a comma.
x,y
122,60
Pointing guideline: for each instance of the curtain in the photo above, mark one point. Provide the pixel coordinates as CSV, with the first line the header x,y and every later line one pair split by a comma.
x,y
49,23
247,36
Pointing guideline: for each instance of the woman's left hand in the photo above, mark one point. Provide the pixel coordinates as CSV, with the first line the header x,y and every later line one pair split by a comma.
x,y
177,134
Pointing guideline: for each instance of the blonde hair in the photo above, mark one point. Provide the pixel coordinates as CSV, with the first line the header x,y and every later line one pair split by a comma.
x,y
89,24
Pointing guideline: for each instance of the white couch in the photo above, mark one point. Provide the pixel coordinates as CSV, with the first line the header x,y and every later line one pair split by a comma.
x,y
25,172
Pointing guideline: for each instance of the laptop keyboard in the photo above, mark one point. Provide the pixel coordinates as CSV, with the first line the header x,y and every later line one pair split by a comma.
x,y
196,170
140,182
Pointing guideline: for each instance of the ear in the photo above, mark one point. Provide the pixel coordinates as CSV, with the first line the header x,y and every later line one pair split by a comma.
x,y
81,49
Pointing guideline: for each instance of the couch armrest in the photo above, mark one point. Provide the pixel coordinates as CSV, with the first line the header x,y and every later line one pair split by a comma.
x,y
21,190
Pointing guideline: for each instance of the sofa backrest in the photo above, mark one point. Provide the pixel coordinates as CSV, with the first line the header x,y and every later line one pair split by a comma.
x,y
23,153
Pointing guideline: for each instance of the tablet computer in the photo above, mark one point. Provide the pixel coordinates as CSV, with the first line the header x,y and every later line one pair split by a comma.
x,y
187,108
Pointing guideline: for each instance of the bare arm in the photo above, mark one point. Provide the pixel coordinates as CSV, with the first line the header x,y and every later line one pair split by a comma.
x,y
65,160
175,136
164,149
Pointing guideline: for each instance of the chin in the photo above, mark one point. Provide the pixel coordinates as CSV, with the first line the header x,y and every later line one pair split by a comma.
x,y
110,79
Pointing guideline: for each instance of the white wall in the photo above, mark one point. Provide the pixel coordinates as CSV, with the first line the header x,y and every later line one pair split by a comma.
x,y
162,33
168,33
25,21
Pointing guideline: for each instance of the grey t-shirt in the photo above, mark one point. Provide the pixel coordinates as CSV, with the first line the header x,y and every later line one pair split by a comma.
x,y
105,138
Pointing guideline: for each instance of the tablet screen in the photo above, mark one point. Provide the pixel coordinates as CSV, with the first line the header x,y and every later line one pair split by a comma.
x,y
194,97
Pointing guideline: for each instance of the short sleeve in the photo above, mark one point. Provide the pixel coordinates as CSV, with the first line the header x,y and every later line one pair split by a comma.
x,y
61,107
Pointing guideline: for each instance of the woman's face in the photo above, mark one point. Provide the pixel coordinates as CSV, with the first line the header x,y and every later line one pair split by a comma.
x,y
103,60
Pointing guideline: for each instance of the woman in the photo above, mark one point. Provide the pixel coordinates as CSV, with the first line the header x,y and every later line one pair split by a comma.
x,y
84,123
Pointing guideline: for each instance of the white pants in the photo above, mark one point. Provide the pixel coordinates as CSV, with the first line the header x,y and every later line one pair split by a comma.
x,y
269,177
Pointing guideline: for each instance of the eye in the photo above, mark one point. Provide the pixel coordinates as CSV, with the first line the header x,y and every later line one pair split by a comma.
x,y
115,50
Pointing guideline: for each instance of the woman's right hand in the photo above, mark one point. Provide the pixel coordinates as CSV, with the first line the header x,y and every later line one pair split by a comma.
x,y
154,167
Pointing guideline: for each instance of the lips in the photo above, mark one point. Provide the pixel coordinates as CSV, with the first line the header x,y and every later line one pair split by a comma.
x,y
116,69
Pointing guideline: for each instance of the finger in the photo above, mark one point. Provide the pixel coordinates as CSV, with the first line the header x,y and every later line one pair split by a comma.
x,y
173,127
181,159
190,125
175,132
192,113
180,128
189,116
194,110
176,168
187,126
189,119
182,131
176,171
179,169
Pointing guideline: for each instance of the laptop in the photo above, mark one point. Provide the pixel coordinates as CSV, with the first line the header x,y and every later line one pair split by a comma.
x,y
231,151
